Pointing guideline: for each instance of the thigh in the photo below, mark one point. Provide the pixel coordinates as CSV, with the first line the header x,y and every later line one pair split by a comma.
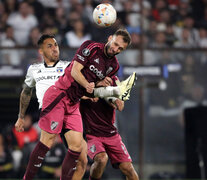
x,y
74,140
116,150
72,119
53,111
95,146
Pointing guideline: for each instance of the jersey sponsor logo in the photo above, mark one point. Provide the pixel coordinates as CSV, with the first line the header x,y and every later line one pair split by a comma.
x,y
96,71
93,148
46,78
97,60
86,52
81,57
59,69
109,70
53,125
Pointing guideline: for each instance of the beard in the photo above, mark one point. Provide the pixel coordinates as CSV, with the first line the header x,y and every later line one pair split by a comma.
x,y
108,47
52,58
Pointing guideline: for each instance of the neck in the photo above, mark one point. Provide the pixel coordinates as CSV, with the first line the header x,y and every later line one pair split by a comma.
x,y
50,63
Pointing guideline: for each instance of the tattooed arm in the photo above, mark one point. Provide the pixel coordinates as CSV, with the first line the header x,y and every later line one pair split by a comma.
x,y
25,98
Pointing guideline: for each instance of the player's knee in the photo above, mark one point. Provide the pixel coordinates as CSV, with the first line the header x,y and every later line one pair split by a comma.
x,y
47,138
101,159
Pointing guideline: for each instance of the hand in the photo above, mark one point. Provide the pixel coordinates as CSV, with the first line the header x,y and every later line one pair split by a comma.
x,y
19,125
90,87
119,104
104,83
94,99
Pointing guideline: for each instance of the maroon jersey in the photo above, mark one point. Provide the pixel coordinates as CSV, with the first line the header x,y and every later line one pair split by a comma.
x,y
96,67
98,117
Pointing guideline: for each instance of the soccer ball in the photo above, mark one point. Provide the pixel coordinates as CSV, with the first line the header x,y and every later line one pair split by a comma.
x,y
104,15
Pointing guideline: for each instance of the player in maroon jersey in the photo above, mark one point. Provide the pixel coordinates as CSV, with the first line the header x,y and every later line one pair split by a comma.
x,y
102,137
60,110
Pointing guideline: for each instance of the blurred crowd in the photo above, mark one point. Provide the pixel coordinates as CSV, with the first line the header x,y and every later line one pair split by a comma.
x,y
165,23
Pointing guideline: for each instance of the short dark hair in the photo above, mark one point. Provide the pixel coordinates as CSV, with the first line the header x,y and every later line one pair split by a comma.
x,y
43,37
125,34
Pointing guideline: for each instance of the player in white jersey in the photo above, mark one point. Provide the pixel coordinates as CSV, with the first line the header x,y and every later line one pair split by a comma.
x,y
42,76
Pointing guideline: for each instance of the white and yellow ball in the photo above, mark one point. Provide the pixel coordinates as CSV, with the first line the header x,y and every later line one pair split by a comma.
x,y
104,15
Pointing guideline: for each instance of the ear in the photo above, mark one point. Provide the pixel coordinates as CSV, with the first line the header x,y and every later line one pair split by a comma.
x,y
40,51
110,38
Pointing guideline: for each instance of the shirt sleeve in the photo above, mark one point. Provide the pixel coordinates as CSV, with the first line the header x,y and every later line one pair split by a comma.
x,y
83,53
29,80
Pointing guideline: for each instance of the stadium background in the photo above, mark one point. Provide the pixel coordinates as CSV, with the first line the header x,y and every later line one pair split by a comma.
x,y
165,142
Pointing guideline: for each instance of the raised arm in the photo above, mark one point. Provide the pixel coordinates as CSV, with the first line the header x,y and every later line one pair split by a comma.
x,y
25,98
78,76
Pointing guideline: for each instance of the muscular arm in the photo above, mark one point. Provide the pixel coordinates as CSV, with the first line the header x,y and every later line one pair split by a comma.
x,y
25,98
78,76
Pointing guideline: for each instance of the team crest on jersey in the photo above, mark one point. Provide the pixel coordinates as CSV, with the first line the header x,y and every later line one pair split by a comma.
x,y
109,70
93,148
53,125
59,69
86,52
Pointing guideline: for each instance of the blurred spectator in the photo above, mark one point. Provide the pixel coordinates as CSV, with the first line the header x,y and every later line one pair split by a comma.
x,y
88,10
29,134
77,36
11,6
170,35
158,6
202,38
51,167
26,141
183,11
159,41
38,8
6,161
61,21
185,41
9,56
22,22
34,36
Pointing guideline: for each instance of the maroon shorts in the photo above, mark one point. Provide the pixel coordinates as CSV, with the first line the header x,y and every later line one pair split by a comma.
x,y
58,114
113,146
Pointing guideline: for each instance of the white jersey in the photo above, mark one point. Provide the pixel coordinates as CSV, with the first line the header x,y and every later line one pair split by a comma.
x,y
41,76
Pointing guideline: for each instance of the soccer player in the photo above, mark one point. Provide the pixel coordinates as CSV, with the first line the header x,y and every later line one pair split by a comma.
x,y
41,76
103,138
60,110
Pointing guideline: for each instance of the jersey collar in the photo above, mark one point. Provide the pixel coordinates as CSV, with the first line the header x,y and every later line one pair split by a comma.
x,y
50,66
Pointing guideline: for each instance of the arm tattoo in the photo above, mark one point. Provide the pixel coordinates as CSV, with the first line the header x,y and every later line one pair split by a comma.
x,y
25,98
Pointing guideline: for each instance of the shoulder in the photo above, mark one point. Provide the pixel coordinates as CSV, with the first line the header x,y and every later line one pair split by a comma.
x,y
89,46
37,65
92,44
63,62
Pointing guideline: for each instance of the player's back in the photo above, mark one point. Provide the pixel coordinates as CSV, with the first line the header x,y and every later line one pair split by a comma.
x,y
98,118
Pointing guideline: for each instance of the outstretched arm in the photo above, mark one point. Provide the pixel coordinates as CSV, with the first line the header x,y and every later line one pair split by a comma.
x,y
78,76
25,98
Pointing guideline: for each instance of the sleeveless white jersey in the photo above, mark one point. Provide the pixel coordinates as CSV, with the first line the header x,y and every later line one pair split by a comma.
x,y
41,76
